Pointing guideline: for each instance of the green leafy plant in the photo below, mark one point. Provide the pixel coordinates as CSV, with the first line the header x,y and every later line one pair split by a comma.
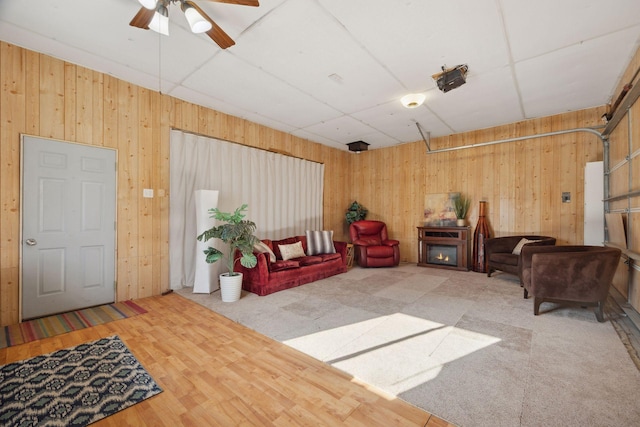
x,y
237,233
461,206
356,212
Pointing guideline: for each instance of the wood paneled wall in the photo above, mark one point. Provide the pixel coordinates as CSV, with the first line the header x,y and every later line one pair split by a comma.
x,y
522,182
47,97
42,96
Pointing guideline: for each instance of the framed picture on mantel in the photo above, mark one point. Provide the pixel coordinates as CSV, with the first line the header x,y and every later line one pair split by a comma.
x,y
438,210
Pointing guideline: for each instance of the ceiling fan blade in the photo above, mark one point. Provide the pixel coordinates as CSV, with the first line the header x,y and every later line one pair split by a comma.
x,y
216,33
142,18
219,36
254,3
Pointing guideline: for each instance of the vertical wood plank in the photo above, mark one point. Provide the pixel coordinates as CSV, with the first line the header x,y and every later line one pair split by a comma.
x,y
13,101
52,98
129,190
144,166
84,106
70,102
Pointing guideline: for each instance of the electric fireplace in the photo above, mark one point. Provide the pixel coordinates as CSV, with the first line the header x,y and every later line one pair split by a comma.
x,y
444,247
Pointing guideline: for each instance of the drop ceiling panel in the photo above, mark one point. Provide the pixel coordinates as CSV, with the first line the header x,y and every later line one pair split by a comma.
x,y
416,40
577,76
486,100
544,26
399,123
230,80
343,129
305,46
333,71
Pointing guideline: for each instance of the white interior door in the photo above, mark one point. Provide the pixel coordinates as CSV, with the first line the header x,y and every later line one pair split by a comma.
x,y
68,226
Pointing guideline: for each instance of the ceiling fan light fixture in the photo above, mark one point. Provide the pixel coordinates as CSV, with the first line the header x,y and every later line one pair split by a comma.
x,y
160,21
148,4
197,22
412,100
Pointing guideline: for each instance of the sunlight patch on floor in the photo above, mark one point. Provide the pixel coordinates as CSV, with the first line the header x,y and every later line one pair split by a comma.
x,y
395,352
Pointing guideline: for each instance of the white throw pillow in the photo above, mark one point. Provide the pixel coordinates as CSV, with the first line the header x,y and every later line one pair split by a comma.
x,y
263,248
320,242
521,243
293,250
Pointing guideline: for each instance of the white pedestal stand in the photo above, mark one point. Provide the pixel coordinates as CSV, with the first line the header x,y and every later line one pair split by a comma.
x,y
206,274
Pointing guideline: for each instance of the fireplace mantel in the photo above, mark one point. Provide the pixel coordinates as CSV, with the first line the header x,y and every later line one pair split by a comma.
x,y
444,247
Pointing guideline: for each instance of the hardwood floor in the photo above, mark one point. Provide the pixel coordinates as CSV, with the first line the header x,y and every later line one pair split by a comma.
x,y
215,372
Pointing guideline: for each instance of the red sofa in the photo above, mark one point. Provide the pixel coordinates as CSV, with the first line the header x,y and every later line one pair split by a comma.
x,y
268,277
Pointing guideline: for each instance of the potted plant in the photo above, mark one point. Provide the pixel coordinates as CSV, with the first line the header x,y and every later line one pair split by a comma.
x,y
460,208
356,212
237,233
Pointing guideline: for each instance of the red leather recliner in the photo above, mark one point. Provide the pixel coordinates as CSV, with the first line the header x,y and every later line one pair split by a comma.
x,y
372,245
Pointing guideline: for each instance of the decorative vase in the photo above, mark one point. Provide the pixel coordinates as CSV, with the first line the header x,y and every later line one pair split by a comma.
x,y
461,222
479,236
230,287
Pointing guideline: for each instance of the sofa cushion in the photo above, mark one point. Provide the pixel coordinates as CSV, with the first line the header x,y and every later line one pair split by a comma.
x,y
284,265
329,257
320,242
369,240
293,250
379,251
263,248
504,258
309,260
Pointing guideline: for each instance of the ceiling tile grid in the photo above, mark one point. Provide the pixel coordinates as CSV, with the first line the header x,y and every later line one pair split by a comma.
x,y
333,71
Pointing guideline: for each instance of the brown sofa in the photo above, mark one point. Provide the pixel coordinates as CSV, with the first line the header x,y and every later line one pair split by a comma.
x,y
500,256
569,274
268,277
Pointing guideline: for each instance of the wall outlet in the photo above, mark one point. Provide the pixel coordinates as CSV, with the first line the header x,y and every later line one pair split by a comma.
x,y
147,193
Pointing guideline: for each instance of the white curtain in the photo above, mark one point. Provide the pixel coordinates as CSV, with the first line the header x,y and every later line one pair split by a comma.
x,y
284,194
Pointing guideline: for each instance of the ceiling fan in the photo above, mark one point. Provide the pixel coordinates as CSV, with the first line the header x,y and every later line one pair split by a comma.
x,y
154,14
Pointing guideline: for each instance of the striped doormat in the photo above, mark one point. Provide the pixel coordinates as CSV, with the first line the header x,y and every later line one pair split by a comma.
x,y
66,322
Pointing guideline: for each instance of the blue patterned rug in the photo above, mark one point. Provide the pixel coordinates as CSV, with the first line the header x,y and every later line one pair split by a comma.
x,y
73,387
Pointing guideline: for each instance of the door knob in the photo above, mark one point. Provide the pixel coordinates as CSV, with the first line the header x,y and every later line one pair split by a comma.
x,y
31,242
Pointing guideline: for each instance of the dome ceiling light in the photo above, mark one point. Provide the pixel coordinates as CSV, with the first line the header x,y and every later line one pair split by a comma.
x,y
412,100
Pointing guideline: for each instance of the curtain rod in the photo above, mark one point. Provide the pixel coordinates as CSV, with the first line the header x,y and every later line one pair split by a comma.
x,y
270,150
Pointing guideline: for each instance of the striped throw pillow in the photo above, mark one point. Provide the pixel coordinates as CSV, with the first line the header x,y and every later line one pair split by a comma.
x,y
320,242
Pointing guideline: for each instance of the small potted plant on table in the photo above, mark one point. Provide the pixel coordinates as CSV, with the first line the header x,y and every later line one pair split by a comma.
x,y
460,208
237,233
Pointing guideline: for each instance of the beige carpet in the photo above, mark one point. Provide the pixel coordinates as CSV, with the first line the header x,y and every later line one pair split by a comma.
x,y
457,344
